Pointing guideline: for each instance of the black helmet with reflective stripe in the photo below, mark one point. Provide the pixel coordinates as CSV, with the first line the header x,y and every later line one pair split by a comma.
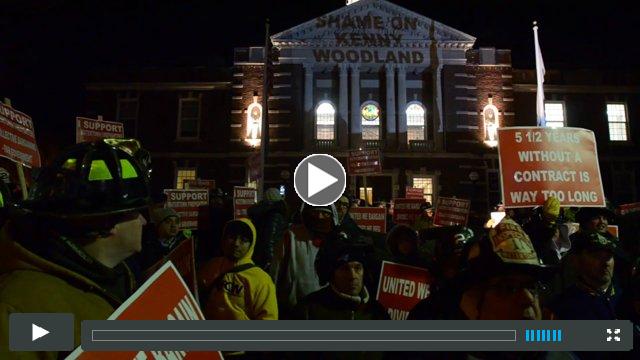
x,y
90,179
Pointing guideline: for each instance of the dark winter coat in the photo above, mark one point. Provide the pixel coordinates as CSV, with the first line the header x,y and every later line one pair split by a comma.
x,y
327,304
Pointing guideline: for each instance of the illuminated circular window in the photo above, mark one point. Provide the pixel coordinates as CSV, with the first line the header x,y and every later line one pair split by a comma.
x,y
370,112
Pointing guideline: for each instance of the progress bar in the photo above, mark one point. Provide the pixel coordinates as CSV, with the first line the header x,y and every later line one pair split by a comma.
x,y
355,335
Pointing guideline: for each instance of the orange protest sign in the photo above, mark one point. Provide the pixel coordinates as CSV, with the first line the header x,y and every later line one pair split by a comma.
x,y
451,211
92,130
413,193
628,208
17,137
187,204
405,211
164,296
371,219
401,287
537,163
243,198
183,257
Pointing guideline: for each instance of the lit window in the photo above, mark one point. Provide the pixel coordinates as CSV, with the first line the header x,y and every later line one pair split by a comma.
x,y
370,121
426,184
127,113
254,123
617,117
189,118
415,122
325,121
184,174
491,119
368,199
554,114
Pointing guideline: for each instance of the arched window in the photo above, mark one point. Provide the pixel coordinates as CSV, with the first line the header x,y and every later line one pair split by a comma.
x,y
370,114
491,117
325,121
416,121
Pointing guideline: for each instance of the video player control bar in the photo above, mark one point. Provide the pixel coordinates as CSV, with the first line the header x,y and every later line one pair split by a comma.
x,y
358,335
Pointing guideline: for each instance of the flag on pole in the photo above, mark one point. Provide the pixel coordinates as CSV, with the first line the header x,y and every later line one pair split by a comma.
x,y
540,78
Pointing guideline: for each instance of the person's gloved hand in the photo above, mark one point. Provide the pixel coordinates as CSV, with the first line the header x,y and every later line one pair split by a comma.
x,y
551,210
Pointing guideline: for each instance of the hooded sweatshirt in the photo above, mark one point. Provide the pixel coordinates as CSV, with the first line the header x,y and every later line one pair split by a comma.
x,y
293,269
244,295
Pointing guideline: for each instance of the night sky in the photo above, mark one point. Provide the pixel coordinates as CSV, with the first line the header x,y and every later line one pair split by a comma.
x,y
48,48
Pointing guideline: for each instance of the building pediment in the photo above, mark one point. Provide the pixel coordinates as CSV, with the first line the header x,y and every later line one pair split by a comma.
x,y
372,23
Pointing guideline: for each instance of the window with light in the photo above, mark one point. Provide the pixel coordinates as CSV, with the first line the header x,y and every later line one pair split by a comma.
x,y
370,121
184,174
426,184
325,121
366,196
415,122
617,118
554,114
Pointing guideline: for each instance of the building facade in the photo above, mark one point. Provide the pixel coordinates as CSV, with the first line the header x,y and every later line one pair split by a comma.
x,y
368,75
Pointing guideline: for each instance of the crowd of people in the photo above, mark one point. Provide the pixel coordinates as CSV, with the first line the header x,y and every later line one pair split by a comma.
x,y
90,229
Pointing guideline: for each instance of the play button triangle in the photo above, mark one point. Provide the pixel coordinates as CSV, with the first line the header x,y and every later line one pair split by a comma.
x,y
37,332
318,180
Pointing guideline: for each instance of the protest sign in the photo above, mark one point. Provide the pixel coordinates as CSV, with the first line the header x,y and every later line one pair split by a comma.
x,y
164,296
628,209
401,287
199,184
405,211
370,218
413,193
17,137
243,198
365,162
537,163
187,203
452,211
183,258
92,130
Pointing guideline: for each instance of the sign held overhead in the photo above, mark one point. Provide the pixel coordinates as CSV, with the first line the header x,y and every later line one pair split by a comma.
x,y
537,163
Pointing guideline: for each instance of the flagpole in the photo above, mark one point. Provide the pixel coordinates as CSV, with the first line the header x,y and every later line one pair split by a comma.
x,y
264,142
540,71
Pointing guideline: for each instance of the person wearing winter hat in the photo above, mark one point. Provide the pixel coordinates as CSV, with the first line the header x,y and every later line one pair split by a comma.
x,y
343,266
233,287
593,295
292,269
160,237
402,243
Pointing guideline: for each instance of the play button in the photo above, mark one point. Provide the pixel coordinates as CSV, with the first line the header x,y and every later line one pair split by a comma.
x,y
320,180
37,332
41,332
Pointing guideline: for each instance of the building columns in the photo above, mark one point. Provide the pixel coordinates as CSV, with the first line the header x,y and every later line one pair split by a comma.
x,y
343,106
309,125
356,120
390,106
402,107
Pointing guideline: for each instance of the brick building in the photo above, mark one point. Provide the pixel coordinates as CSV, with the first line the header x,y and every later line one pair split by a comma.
x,y
368,75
